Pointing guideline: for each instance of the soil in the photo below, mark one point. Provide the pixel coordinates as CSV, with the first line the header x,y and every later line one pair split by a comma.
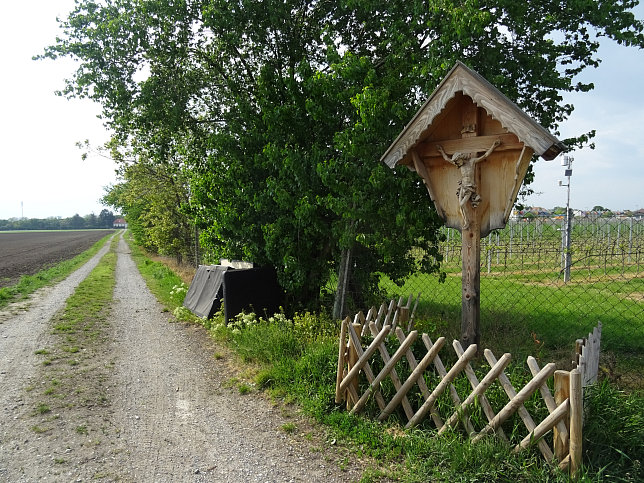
x,y
145,398
27,252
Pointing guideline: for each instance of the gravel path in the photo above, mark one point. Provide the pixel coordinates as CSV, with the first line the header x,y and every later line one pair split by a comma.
x,y
170,414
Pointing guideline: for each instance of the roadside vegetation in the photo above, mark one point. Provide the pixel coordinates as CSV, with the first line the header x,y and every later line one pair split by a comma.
x,y
30,283
294,361
260,129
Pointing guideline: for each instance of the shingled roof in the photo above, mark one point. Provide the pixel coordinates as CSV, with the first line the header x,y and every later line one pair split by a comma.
x,y
463,79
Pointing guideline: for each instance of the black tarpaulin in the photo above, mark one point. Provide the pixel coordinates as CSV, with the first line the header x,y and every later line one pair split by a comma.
x,y
206,292
253,289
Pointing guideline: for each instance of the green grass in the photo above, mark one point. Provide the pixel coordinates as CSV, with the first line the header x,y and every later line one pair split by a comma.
x,y
289,428
30,283
538,319
42,408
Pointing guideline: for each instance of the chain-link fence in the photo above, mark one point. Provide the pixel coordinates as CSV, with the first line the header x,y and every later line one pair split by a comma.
x,y
538,296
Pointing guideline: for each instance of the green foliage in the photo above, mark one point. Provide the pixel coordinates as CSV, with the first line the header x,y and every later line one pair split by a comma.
x,y
76,222
275,114
152,196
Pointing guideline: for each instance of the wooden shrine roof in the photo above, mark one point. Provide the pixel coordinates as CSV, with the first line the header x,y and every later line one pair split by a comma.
x,y
463,79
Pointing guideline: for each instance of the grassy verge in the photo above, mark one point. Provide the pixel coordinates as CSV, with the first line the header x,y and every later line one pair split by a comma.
x,y
30,283
75,370
295,360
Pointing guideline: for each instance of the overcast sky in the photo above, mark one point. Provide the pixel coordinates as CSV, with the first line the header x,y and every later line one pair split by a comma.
x,y
42,168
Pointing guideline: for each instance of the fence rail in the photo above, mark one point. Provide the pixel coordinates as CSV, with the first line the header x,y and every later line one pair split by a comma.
x,y
564,408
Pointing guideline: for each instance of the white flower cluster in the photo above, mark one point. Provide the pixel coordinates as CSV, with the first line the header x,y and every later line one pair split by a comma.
x,y
181,313
279,318
242,321
180,289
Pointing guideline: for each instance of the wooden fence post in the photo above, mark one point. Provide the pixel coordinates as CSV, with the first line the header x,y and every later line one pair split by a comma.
x,y
576,422
353,358
341,360
562,391
560,432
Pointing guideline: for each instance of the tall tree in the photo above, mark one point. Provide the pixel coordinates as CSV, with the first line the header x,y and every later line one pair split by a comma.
x,y
106,218
153,196
278,111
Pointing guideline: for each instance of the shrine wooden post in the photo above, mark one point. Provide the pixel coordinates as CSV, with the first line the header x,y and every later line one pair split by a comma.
x,y
472,147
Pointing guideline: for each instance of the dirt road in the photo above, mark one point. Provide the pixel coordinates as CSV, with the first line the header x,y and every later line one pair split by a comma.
x,y
166,412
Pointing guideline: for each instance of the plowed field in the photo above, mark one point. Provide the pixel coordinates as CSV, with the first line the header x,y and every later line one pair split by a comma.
x,y
27,252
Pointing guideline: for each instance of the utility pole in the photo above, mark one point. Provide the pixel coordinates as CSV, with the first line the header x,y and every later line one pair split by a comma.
x,y
565,233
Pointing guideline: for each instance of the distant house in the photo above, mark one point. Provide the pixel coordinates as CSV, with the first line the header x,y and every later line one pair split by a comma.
x,y
540,212
120,223
639,214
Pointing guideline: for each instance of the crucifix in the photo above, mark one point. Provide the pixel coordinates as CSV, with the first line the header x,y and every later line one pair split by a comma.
x,y
472,147
467,185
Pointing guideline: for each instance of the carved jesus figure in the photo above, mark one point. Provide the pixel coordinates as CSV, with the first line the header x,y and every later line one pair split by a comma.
x,y
467,185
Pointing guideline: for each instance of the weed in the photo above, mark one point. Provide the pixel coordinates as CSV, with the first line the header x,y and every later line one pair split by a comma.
x,y
42,408
289,428
232,382
82,429
244,388
43,352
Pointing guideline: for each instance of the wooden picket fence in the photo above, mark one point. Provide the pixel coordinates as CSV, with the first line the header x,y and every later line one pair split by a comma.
x,y
396,322
587,356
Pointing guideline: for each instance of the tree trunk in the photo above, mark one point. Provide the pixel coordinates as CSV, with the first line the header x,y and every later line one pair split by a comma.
x,y
341,290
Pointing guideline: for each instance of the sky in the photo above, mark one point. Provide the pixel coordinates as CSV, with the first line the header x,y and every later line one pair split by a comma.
x,y
42,174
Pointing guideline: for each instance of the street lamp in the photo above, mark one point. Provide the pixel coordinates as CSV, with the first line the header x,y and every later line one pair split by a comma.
x,y
566,256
